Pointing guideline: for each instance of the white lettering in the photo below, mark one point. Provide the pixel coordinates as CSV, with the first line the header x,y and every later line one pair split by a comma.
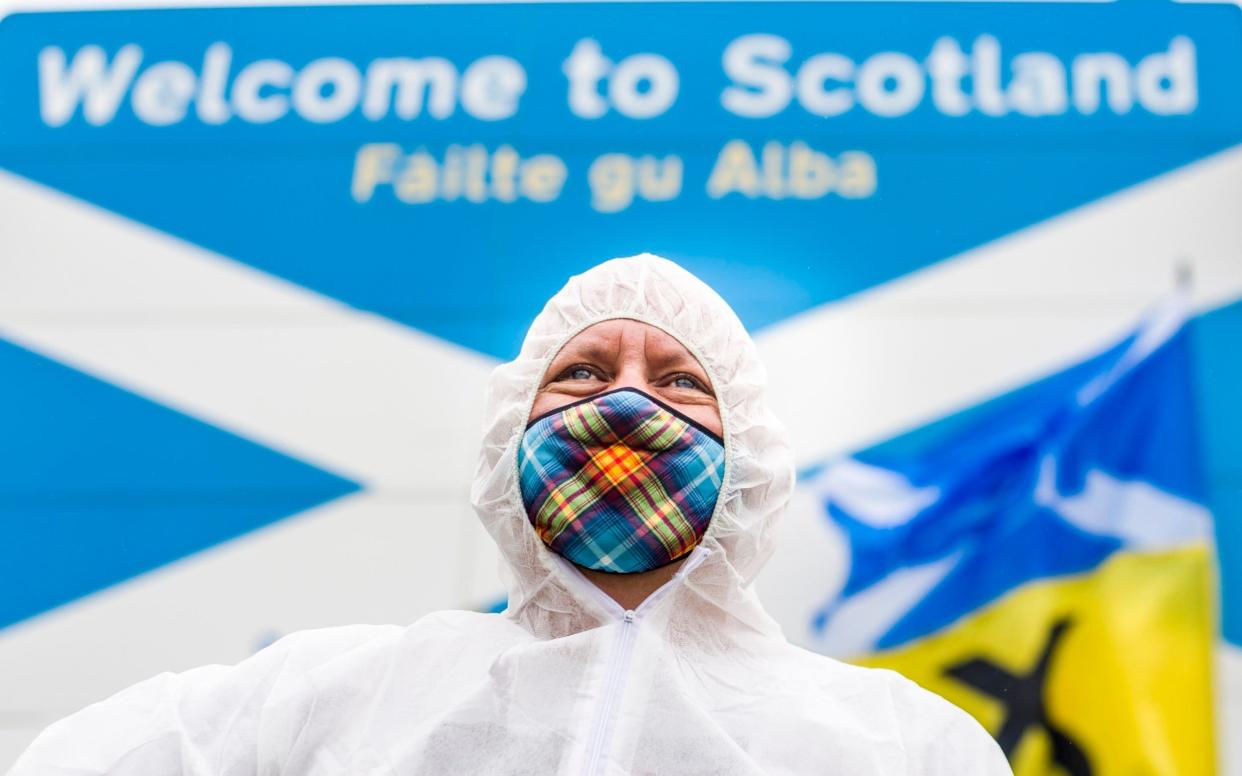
x,y
754,62
763,77
811,80
163,92
1166,82
412,78
585,68
1093,71
641,86
907,87
491,88
891,83
211,105
248,98
947,66
89,80
343,83
651,69
985,74
1038,87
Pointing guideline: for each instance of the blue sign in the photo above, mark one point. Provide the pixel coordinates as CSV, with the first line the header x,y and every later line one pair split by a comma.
x,y
448,166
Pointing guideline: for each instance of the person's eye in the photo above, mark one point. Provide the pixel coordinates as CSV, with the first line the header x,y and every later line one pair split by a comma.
x,y
578,372
687,382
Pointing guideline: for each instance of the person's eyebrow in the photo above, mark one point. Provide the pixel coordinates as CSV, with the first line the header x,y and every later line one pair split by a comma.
x,y
588,350
672,356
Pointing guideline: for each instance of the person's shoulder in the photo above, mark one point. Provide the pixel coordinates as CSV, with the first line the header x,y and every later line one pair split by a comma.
x,y
942,738
216,712
877,685
304,660
363,661
951,740
309,649
315,645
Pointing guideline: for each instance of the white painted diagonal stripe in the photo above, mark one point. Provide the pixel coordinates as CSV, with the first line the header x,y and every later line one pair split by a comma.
x,y
349,391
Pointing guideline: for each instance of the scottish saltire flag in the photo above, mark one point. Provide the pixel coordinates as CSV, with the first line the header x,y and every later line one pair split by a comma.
x,y
1043,562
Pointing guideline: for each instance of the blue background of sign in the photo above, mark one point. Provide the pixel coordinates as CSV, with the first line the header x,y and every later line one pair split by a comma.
x,y
277,197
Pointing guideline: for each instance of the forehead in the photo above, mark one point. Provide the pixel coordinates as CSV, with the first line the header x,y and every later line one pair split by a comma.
x,y
613,338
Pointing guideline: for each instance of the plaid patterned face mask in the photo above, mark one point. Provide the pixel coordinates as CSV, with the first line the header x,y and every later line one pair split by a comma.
x,y
620,482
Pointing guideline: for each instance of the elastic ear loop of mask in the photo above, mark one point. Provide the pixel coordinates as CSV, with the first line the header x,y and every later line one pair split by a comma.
x,y
546,362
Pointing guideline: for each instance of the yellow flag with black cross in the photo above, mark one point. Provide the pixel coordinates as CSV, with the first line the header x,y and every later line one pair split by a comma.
x,y
1043,561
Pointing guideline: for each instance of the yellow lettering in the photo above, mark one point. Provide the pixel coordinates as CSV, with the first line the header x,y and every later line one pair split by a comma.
x,y
418,180
858,175
541,178
735,170
373,165
810,172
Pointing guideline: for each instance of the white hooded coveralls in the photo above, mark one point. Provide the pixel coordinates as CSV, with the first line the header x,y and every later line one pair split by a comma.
x,y
696,680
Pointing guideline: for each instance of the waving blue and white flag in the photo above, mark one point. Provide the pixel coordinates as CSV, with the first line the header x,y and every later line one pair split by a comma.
x,y
1042,562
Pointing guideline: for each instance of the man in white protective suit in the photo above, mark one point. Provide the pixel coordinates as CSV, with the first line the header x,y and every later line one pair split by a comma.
x,y
632,476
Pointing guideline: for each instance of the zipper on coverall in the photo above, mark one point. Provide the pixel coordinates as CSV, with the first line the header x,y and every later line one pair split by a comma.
x,y
619,661
613,685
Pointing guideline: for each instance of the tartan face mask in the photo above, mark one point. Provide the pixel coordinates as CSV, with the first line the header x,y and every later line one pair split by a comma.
x,y
620,482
